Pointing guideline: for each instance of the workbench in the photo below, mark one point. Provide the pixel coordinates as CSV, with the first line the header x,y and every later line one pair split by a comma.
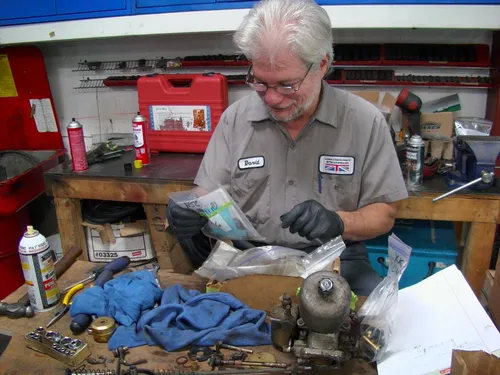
x,y
20,360
169,173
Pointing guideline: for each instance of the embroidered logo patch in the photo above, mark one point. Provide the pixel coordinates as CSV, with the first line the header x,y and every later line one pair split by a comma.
x,y
332,164
253,162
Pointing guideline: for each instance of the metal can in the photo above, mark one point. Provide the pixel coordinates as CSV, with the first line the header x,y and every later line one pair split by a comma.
x,y
415,149
37,261
77,146
142,152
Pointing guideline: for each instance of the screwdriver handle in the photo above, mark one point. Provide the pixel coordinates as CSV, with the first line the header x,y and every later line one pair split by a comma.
x,y
81,322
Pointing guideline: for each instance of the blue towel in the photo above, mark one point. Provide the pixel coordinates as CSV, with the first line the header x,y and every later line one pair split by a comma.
x,y
124,298
189,317
183,317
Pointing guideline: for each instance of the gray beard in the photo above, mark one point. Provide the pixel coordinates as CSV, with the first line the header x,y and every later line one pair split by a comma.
x,y
297,112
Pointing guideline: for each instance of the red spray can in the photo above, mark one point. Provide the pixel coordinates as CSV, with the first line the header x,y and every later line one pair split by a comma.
x,y
77,146
140,139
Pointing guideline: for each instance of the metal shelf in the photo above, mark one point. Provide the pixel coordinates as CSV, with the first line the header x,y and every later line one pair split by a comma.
x,y
141,64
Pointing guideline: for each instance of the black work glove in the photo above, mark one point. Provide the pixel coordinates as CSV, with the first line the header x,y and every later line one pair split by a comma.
x,y
311,220
184,223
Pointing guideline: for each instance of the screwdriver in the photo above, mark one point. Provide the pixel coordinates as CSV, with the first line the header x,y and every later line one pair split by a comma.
x,y
81,322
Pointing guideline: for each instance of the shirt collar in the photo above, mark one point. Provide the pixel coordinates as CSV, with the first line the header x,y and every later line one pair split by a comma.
x,y
325,112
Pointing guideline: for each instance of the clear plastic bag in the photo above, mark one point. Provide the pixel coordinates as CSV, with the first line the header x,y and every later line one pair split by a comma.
x,y
378,311
473,126
225,219
226,262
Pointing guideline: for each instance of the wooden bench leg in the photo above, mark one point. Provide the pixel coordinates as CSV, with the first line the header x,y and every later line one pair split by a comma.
x,y
69,220
477,254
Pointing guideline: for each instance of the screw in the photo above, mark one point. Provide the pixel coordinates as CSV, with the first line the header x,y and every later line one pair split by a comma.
x,y
325,285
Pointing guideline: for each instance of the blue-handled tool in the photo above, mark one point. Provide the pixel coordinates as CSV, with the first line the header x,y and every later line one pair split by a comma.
x,y
81,322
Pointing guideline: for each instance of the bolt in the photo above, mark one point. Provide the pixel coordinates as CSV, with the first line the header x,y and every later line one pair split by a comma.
x,y
325,285
216,362
220,344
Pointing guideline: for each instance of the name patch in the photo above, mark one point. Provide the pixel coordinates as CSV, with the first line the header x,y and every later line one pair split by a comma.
x,y
331,164
253,162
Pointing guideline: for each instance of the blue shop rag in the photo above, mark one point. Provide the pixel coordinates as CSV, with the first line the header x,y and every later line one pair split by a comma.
x,y
124,298
183,317
188,317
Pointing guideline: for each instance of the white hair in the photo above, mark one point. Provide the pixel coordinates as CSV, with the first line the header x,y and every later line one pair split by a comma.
x,y
272,26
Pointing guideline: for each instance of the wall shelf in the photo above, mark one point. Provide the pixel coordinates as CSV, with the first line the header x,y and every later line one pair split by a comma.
x,y
448,16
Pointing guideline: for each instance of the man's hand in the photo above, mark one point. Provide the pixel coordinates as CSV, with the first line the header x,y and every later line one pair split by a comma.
x,y
184,223
311,220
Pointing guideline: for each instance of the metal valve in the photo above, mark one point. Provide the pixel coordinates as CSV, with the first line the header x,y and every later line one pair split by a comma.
x,y
486,177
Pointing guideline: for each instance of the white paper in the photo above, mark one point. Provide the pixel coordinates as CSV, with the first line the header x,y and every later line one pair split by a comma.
x,y
43,115
434,317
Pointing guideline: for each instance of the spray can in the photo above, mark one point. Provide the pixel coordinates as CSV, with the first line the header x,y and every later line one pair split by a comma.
x,y
37,260
142,152
415,148
77,146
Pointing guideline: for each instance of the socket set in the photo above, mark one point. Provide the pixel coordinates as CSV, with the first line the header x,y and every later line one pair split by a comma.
x,y
65,349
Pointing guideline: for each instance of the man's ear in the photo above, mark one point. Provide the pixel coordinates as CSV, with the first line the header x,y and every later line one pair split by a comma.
x,y
324,66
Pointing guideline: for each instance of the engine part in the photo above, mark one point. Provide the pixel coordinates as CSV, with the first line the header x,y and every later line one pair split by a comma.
x,y
103,328
200,353
182,360
238,356
65,349
322,329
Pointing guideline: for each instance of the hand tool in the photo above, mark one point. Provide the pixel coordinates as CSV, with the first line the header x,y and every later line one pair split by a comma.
x,y
63,309
95,274
22,307
410,104
63,348
81,322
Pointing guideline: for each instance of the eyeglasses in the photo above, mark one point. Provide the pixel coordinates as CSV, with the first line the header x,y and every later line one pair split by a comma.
x,y
281,89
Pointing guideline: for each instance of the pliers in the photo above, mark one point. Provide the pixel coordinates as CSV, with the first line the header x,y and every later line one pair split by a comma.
x,y
63,309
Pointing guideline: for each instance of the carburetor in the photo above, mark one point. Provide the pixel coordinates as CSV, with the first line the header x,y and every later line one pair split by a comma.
x,y
322,330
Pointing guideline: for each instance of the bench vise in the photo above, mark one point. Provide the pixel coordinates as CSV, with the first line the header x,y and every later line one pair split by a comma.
x,y
474,155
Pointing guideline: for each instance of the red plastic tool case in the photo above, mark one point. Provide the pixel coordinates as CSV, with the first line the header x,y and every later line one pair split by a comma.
x,y
182,109
23,78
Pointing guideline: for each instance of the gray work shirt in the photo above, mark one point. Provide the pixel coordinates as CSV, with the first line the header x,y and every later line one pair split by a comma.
x,y
343,158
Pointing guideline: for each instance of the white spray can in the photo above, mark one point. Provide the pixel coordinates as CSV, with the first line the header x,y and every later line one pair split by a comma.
x,y
37,260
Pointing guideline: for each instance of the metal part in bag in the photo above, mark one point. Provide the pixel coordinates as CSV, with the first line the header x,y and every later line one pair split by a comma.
x,y
132,370
37,260
65,349
415,149
322,330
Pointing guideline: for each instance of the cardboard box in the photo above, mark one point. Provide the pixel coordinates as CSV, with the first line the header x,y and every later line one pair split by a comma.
x,y
369,96
137,247
169,252
434,126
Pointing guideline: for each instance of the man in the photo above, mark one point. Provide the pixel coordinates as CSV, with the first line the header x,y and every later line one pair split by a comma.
x,y
304,161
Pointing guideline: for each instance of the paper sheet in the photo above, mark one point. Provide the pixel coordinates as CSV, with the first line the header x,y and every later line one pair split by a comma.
x,y
435,316
7,85
41,110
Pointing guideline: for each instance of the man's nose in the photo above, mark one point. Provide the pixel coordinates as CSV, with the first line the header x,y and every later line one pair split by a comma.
x,y
271,97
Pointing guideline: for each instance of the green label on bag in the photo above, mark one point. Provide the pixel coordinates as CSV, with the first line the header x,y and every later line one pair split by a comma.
x,y
217,211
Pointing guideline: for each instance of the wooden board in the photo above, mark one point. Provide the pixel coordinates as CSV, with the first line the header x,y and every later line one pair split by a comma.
x,y
69,221
19,360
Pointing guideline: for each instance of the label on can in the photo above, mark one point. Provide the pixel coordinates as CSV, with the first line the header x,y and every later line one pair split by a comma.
x,y
40,278
138,135
78,152
415,164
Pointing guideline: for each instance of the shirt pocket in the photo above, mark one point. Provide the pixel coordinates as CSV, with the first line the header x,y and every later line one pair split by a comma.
x,y
336,192
252,193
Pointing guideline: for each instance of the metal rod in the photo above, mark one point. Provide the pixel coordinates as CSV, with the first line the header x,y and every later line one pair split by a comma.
x,y
458,189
